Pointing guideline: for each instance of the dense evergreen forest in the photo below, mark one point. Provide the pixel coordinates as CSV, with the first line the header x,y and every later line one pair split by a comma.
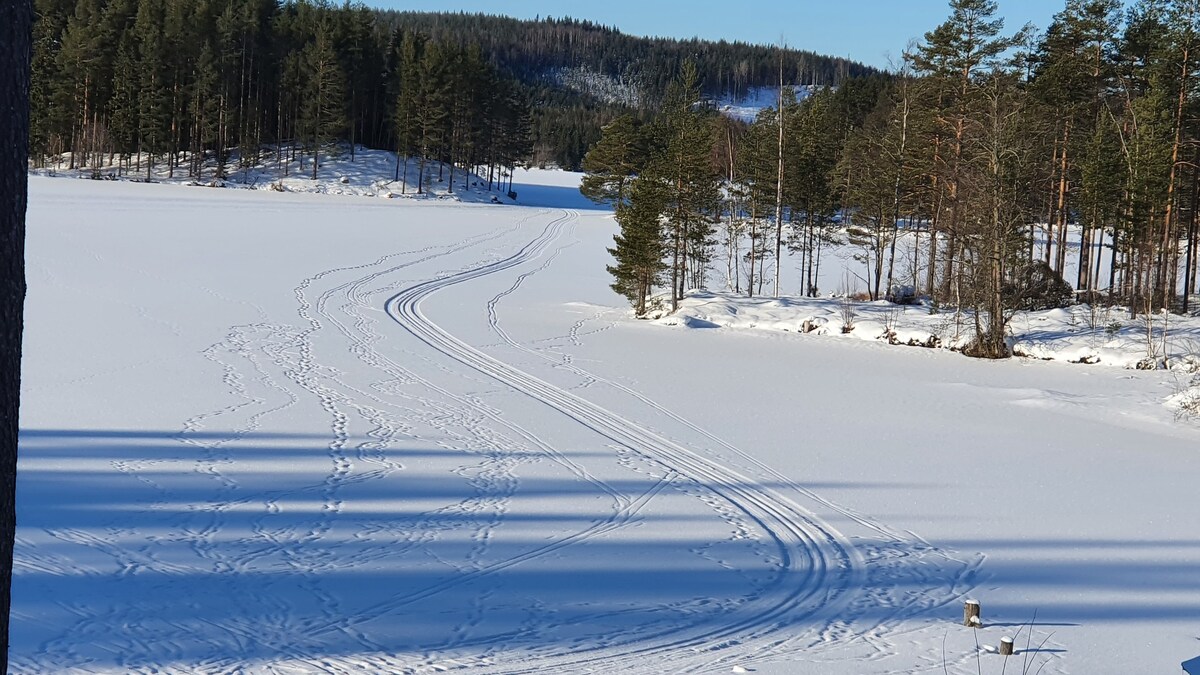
x,y
207,83
1003,155
196,83
582,75
536,50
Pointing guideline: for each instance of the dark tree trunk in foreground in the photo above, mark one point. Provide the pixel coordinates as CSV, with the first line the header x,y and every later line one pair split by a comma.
x,y
16,24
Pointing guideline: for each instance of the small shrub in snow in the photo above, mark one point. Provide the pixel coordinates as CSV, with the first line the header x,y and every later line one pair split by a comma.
x,y
1036,287
846,309
903,295
1186,399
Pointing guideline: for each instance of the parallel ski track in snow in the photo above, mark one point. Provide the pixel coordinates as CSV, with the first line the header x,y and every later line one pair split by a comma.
x,y
819,566
948,578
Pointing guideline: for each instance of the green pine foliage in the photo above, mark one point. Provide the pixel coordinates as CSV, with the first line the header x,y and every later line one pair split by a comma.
x,y
639,249
666,190
614,161
215,85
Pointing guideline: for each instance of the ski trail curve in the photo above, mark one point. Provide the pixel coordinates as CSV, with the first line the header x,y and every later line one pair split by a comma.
x,y
818,568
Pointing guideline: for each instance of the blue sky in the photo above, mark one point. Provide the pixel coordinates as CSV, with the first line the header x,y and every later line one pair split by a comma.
x,y
869,31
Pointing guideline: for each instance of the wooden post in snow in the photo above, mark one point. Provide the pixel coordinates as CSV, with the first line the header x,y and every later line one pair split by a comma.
x,y
971,616
1006,646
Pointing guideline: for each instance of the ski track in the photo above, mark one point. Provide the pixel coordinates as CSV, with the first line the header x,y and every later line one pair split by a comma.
x,y
821,575
761,508
818,566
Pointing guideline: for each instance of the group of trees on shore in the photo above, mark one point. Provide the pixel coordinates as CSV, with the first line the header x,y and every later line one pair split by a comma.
x,y
214,85
1006,159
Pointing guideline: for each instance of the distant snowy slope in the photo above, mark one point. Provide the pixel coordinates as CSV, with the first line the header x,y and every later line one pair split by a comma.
x,y
747,107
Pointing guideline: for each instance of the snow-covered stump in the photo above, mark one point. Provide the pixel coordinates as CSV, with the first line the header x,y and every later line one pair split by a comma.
x,y
1006,646
971,617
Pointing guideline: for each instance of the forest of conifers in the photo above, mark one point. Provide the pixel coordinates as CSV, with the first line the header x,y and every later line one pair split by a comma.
x,y
182,81
1004,158
187,82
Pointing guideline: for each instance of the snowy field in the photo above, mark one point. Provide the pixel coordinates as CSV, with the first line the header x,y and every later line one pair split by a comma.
x,y
296,433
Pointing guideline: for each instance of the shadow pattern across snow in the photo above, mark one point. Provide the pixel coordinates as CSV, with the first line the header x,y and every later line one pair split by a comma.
x,y
443,508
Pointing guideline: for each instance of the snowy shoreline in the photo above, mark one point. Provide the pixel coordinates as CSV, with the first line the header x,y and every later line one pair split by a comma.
x,y
1080,334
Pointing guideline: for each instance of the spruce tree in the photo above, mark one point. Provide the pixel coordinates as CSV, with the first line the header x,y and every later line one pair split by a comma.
x,y
639,246
322,112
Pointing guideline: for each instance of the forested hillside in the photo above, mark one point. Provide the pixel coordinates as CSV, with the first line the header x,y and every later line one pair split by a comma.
x,y
581,75
190,81
534,50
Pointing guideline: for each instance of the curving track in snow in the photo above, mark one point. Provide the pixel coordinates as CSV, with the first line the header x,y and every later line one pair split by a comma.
x,y
819,568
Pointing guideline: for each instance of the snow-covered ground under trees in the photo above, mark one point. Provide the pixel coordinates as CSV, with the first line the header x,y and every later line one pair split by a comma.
x,y
293,433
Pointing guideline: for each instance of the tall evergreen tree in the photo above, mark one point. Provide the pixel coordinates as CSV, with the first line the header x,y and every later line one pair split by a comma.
x,y
639,246
691,188
323,115
954,56
154,103
612,164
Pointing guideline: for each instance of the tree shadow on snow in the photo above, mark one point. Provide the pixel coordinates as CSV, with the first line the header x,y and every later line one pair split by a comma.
x,y
142,548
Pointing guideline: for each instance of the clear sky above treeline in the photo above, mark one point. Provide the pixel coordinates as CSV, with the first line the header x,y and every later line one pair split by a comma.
x,y
874,32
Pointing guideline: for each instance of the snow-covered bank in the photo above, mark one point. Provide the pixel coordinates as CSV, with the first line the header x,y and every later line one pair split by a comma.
x,y
365,173
310,433
1079,334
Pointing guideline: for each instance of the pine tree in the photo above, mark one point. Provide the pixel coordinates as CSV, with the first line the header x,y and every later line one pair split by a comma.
x,y
691,189
48,122
154,104
1072,72
322,114
639,246
757,165
205,110
408,104
433,115
123,106
80,76
612,164
953,56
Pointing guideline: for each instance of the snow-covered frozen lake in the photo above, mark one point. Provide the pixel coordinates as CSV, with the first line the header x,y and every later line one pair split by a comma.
x,y
294,433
